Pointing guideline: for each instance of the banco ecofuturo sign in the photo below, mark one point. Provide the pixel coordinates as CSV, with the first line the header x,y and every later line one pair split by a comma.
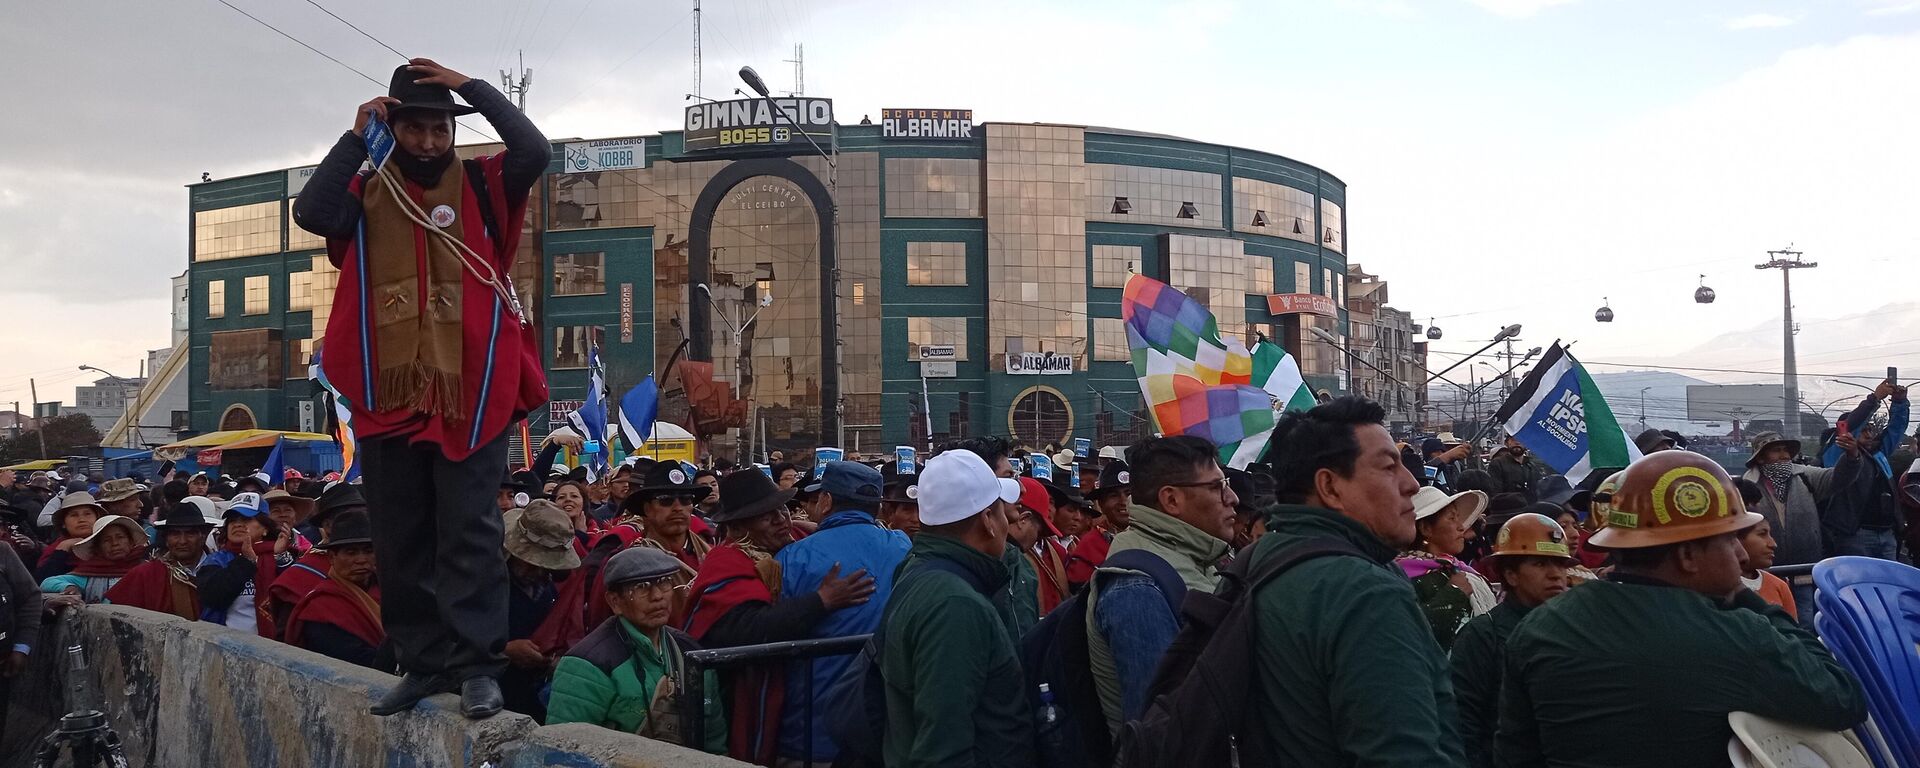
x,y
753,124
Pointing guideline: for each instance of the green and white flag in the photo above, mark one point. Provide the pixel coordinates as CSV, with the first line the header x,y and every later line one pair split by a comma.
x,y
1559,415
1279,374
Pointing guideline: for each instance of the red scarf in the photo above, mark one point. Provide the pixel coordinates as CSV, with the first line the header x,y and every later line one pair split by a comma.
x,y
295,582
728,578
343,605
112,569
156,586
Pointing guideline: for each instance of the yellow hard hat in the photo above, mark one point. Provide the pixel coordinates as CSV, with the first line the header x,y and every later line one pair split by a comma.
x,y
1670,497
1532,535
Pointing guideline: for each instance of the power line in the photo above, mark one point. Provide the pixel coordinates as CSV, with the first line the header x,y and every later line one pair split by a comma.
x,y
363,33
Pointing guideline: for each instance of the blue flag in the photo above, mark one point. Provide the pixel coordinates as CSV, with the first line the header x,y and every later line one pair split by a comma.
x,y
276,466
638,409
590,419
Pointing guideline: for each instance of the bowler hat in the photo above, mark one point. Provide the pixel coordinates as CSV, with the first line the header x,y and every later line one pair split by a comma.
x,y
412,95
899,488
348,529
337,497
185,515
747,495
668,478
1114,477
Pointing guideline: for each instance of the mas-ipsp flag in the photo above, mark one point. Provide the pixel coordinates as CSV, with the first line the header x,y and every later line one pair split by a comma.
x,y
1558,413
276,466
638,408
590,419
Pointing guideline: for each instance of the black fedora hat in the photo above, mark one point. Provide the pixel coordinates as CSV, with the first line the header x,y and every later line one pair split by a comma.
x,y
1113,477
667,478
183,515
747,495
1065,494
414,95
351,528
338,497
512,481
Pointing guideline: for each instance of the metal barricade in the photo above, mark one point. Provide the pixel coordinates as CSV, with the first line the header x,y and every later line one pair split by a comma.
x,y
1794,575
693,712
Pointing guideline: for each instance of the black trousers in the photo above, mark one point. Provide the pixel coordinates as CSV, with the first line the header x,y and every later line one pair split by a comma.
x,y
437,543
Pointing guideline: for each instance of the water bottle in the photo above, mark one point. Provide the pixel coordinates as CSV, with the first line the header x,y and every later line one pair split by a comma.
x,y
1052,740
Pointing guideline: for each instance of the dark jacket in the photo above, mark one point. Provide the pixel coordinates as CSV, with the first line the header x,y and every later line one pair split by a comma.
x,y
1511,476
1479,654
953,680
20,604
1863,493
1634,672
1346,670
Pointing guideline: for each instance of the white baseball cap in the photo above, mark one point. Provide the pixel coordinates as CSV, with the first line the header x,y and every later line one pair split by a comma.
x,y
956,485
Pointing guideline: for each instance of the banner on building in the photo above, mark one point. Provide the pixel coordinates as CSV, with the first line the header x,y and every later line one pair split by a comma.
x,y
753,124
936,124
1039,363
606,155
1301,304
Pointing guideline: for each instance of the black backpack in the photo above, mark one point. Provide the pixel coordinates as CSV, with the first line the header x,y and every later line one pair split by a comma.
x,y
1200,690
1054,652
858,698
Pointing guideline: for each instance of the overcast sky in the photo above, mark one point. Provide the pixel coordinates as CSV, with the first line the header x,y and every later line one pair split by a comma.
x,y
1507,160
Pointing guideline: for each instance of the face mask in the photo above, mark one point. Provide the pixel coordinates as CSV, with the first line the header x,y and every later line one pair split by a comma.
x,y
1779,474
426,172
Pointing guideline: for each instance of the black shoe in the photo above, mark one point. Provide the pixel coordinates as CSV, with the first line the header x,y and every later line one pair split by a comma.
x,y
408,692
480,697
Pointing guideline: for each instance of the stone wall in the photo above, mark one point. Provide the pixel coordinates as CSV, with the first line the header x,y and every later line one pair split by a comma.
x,y
181,693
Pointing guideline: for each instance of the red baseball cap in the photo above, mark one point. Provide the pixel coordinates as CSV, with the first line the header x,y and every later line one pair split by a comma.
x,y
1034,498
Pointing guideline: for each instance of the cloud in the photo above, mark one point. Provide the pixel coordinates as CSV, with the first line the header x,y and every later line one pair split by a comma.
x,y
1761,21
1517,9
1891,7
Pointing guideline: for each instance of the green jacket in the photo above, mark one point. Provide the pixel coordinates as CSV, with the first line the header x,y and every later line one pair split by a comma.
x,y
1634,672
608,679
1022,593
1346,671
1523,476
1192,553
954,686
1479,653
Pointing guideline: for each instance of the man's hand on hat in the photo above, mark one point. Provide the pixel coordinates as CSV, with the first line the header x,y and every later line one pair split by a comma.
x,y
836,592
431,73
372,109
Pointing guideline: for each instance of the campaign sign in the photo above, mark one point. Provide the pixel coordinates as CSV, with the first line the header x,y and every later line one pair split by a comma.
x,y
1042,469
1082,447
904,456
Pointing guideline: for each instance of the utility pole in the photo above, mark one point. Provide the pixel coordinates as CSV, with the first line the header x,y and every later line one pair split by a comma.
x,y
33,391
517,90
1786,260
696,49
799,62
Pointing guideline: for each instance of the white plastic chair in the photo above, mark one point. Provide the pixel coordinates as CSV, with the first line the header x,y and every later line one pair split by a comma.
x,y
1760,742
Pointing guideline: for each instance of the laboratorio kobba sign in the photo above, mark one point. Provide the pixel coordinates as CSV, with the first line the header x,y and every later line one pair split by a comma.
x,y
749,124
935,124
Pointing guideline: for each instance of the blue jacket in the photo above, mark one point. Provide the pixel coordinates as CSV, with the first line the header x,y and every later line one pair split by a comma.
x,y
852,539
1889,439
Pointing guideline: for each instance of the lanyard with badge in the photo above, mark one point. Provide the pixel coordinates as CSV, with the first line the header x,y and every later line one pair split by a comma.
x,y
380,144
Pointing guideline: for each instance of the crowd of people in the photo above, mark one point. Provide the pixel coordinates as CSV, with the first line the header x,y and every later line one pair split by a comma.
x,y
1017,620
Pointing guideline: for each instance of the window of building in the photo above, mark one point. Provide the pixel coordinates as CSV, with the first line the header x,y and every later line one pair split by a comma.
x,y
933,187
1274,210
937,331
257,298
1330,287
1302,278
299,291
249,359
570,344
579,274
1152,195
1040,417
1110,340
301,240
1211,270
601,199
1113,263
1261,268
299,357
216,298
939,263
242,230
1332,230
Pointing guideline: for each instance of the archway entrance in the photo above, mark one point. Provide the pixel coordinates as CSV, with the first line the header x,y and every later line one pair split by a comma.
x,y
1040,416
237,416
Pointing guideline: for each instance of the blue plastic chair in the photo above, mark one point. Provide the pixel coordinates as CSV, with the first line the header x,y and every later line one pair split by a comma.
x,y
1875,604
1879,746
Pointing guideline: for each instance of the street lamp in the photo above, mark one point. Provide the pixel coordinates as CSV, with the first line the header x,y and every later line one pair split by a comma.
x,y
126,405
829,262
1643,407
1509,332
740,350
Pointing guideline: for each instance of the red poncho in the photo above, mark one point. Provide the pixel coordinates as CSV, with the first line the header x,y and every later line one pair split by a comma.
x,y
154,586
302,577
343,605
727,580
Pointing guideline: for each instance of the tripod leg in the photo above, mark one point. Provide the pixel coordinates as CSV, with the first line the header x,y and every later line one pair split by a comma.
x,y
48,752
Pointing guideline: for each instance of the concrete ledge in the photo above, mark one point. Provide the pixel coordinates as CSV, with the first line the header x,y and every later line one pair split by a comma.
x,y
183,693
578,745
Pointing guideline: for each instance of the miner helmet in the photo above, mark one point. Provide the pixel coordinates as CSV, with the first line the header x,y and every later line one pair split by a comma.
x,y
1602,504
1532,535
1670,497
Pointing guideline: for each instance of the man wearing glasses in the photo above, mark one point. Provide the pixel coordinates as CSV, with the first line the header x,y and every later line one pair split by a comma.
x,y
664,503
626,674
1182,515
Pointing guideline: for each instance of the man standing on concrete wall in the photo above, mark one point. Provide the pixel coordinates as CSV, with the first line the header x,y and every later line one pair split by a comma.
x,y
19,623
433,351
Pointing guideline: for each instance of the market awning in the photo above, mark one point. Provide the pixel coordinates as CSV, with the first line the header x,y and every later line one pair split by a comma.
x,y
36,466
233,440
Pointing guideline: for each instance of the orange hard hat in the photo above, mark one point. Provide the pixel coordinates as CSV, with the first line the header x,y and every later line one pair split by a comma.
x,y
1670,497
1602,500
1532,535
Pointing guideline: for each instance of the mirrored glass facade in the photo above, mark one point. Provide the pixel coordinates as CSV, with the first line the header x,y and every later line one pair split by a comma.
x,y
1036,255
933,187
241,230
942,263
1154,196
